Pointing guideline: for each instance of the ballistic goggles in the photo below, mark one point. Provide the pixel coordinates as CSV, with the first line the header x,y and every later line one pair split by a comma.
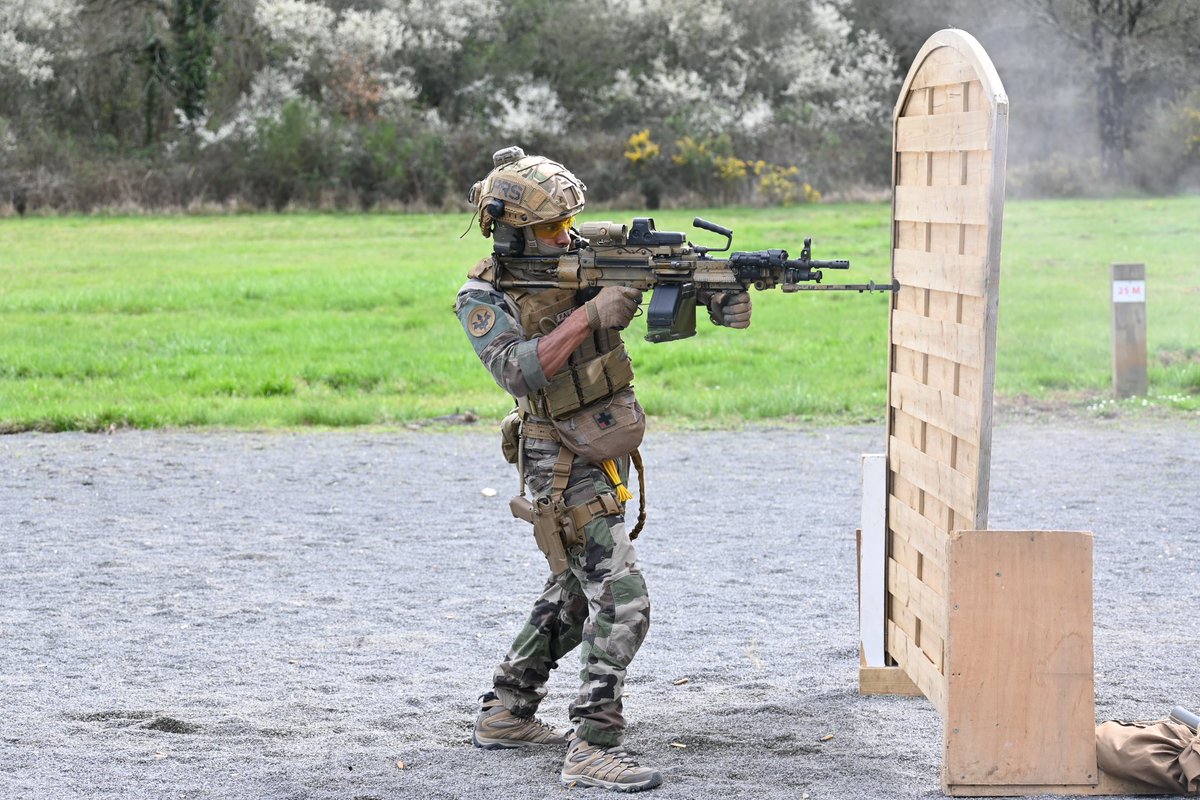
x,y
548,230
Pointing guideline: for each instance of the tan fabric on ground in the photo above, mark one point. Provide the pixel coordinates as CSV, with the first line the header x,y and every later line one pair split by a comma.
x,y
1163,753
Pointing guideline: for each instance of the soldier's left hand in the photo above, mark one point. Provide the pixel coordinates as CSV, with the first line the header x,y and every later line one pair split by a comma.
x,y
731,309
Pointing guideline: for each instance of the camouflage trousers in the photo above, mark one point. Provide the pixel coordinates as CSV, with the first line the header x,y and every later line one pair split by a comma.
x,y
601,602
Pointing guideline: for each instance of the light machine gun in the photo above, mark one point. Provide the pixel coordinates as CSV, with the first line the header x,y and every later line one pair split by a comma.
x,y
612,254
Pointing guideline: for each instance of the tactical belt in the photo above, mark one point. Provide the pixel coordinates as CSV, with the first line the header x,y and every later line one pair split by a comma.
x,y
539,430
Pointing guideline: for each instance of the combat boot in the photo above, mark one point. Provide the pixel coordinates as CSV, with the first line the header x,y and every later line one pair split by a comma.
x,y
497,728
606,767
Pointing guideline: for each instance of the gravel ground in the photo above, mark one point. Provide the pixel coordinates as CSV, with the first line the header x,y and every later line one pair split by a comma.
x,y
235,615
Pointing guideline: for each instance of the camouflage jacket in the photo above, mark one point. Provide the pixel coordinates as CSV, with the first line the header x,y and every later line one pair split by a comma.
x,y
491,322
504,329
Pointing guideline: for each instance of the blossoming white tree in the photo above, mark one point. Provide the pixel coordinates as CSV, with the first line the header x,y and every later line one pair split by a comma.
x,y
410,96
32,34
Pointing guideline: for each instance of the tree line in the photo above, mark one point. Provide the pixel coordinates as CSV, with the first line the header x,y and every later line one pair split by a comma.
x,y
399,103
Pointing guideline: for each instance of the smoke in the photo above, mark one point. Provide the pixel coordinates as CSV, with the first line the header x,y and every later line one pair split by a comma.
x,y
1054,141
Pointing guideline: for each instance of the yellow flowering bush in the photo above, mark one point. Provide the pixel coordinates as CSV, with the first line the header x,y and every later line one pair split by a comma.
x,y
641,149
691,153
709,165
779,186
730,168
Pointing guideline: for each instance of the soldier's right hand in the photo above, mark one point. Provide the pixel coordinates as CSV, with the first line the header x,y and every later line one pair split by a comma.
x,y
613,307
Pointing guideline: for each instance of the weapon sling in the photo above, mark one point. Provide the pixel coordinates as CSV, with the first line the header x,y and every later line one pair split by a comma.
x,y
636,458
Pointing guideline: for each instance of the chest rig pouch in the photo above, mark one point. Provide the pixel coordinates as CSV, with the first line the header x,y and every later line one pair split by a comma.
x,y
590,401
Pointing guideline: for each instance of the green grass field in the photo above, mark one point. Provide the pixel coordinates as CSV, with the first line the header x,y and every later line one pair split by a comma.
x,y
265,321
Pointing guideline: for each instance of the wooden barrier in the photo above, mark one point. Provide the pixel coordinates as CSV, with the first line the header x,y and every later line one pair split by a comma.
x,y
951,125
1020,708
993,627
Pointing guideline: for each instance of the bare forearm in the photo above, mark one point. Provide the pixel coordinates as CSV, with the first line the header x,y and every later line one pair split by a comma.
x,y
556,347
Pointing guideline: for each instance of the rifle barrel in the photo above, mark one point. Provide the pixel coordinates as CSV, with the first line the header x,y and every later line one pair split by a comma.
x,y
872,286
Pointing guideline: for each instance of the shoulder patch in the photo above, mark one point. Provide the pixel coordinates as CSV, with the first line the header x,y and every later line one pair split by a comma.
x,y
481,321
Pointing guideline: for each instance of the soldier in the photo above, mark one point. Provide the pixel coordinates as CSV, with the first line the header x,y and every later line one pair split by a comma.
x,y
559,354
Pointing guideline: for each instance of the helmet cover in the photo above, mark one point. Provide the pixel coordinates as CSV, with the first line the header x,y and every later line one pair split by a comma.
x,y
530,190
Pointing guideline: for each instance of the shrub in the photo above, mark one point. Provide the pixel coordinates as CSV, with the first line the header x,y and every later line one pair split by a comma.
x,y
390,162
1057,176
293,157
1167,156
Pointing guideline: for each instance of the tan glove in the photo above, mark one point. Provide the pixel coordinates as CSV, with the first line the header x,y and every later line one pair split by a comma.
x,y
613,307
731,309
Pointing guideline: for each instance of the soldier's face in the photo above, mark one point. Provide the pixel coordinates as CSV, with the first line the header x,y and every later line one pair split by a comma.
x,y
554,235
560,240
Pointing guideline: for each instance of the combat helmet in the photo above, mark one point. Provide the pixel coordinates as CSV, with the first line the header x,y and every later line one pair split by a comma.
x,y
522,191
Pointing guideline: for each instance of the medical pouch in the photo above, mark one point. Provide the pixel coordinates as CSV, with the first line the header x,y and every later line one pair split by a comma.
x,y
610,428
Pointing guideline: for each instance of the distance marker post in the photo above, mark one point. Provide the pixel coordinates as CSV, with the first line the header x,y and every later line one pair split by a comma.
x,y
1129,330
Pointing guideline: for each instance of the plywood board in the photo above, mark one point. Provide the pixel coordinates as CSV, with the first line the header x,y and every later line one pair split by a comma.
x,y
872,559
886,680
1020,704
950,138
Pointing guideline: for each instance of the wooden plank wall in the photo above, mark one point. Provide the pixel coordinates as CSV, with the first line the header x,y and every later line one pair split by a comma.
x,y
943,321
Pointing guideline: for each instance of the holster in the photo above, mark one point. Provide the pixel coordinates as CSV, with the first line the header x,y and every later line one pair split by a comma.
x,y
557,527
546,529
560,528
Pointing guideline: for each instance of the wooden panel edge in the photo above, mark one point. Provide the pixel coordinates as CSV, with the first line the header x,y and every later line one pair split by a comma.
x,y
1107,785
887,680
992,311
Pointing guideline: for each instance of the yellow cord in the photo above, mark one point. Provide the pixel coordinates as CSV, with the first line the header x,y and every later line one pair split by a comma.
x,y
610,469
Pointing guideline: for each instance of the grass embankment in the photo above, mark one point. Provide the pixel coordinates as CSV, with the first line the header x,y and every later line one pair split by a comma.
x,y
265,321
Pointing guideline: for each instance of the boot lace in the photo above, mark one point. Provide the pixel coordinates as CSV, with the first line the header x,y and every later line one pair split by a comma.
x,y
621,757
537,723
